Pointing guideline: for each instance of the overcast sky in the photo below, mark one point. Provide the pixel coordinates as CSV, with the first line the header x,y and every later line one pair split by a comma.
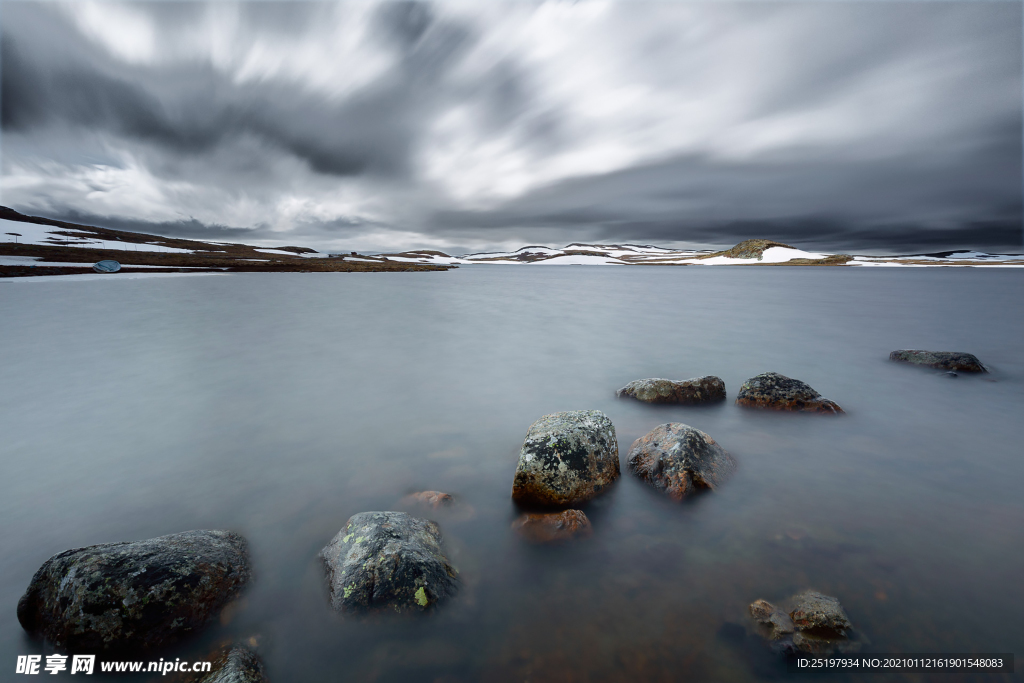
x,y
863,126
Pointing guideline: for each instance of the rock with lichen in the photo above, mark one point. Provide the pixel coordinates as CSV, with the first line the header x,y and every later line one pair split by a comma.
x,y
707,389
233,664
810,622
566,459
773,391
952,361
137,594
552,527
388,560
677,459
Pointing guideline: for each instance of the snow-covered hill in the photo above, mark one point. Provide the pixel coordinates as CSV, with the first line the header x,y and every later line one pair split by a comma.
x,y
750,252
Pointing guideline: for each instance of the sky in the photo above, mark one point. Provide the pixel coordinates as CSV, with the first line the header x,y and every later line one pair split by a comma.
x,y
864,127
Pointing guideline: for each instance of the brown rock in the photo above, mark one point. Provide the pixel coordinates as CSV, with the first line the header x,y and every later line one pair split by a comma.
x,y
678,459
430,499
553,527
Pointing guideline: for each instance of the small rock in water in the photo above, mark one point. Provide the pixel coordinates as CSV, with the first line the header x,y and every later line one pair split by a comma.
x,y
553,527
387,560
567,459
694,391
814,623
233,664
136,594
428,499
773,391
941,360
678,459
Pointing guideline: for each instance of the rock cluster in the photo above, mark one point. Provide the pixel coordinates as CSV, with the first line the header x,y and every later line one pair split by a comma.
x,y
567,459
678,459
138,594
773,391
707,389
387,560
552,527
814,623
953,361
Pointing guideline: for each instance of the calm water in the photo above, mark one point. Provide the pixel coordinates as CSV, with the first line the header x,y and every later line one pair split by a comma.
x,y
279,405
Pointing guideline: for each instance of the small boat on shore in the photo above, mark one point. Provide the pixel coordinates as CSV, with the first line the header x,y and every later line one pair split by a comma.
x,y
108,266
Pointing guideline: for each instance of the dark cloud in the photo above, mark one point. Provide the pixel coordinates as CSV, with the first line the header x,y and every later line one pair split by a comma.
x,y
855,126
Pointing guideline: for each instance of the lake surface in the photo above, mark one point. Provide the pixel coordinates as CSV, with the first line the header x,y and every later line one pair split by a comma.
x,y
278,405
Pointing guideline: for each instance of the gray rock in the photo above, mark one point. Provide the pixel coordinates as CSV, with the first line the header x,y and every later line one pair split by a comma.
x,y
678,459
707,389
773,391
942,360
567,459
234,664
388,560
137,594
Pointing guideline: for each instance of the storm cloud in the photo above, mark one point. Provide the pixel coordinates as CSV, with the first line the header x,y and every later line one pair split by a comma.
x,y
880,127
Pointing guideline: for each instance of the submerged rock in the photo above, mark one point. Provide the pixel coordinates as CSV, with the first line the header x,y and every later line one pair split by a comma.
x,y
553,527
773,391
136,594
387,560
954,361
678,459
427,499
707,389
567,459
233,664
813,623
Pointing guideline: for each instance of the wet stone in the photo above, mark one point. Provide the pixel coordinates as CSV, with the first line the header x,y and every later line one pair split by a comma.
x,y
233,664
707,389
388,560
773,391
552,527
427,499
137,594
566,459
810,622
677,459
953,361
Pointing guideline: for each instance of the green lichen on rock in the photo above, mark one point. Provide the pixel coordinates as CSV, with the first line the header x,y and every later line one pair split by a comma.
x,y
566,459
707,389
395,561
137,594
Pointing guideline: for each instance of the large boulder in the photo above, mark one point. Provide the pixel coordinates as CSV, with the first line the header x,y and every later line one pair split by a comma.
x,y
388,560
678,459
137,594
810,622
954,361
773,391
567,459
552,527
707,389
